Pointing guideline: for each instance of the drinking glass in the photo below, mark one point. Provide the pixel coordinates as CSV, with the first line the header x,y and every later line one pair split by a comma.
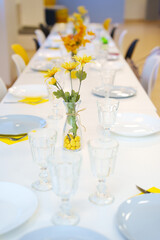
x,y
42,142
102,157
107,112
65,170
108,75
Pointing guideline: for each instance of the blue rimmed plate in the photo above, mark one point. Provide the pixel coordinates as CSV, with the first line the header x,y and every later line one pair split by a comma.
x,y
19,124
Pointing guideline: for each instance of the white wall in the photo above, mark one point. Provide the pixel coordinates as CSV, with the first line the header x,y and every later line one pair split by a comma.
x,y
8,36
135,9
32,12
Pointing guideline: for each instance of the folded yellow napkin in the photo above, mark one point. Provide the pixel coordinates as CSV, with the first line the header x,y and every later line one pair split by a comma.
x,y
153,190
33,101
51,58
9,141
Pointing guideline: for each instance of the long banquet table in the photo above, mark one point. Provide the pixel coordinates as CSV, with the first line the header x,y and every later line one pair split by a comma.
x,y
138,159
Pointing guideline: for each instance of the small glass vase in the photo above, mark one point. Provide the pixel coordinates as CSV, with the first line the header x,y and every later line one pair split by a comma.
x,y
72,136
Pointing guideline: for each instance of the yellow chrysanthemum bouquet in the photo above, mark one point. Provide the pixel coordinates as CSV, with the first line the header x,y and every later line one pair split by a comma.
x,y
72,131
73,42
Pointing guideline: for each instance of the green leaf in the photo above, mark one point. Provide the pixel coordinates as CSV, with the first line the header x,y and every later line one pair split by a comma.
x,y
67,96
74,96
59,94
81,75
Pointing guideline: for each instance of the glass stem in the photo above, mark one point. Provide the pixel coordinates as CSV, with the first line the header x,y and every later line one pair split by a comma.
x,y
107,132
65,206
101,188
43,176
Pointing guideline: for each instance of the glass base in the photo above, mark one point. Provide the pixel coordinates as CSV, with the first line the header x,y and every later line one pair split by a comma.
x,y
62,219
101,200
42,186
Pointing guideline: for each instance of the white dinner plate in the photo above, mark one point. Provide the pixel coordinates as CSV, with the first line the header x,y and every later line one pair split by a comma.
x,y
116,92
19,124
48,53
136,124
42,65
29,90
138,218
65,233
17,205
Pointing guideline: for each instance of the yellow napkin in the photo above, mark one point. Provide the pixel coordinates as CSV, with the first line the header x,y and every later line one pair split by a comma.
x,y
9,141
33,101
51,58
153,190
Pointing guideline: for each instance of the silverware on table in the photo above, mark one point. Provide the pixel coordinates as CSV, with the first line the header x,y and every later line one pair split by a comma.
x,y
142,190
14,138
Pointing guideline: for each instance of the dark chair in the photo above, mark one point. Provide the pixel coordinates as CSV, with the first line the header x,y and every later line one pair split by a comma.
x,y
131,49
50,16
44,29
113,32
36,43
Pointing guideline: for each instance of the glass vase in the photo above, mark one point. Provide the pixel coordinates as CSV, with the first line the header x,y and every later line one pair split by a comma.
x,y
72,137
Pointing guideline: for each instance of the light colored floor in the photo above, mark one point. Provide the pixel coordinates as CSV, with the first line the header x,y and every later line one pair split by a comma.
x,y
148,34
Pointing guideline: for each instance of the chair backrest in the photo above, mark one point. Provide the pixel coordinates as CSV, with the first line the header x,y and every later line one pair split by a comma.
x,y
19,62
18,49
36,43
40,36
113,32
3,89
150,71
131,49
120,40
44,29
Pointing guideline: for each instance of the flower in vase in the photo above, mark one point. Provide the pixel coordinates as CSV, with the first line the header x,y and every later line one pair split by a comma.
x,y
82,10
83,60
69,66
106,23
71,133
51,72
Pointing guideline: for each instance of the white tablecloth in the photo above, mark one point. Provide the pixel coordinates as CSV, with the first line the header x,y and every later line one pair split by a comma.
x,y
138,160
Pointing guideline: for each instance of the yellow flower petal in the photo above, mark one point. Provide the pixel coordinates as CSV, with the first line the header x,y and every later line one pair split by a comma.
x,y
69,66
52,72
83,60
52,81
82,10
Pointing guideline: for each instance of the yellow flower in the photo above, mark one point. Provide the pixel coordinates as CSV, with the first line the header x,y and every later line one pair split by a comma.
x,y
52,81
69,66
73,74
106,23
77,16
83,60
52,72
91,33
82,10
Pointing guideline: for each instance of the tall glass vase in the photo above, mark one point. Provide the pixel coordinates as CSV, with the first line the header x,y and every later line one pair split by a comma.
x,y
72,137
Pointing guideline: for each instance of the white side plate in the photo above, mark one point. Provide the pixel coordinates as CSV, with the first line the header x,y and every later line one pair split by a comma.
x,y
42,65
136,125
29,90
139,217
17,205
19,124
65,233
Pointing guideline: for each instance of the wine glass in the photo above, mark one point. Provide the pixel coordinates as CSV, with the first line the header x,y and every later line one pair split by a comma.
x,y
107,112
42,142
102,157
108,75
65,170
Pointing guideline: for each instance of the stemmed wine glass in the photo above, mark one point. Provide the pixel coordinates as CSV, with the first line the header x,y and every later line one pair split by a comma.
x,y
102,157
42,142
65,170
107,112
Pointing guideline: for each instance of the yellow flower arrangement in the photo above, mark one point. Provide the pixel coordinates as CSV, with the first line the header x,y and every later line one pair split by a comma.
x,y
82,10
83,60
72,42
52,72
69,66
106,23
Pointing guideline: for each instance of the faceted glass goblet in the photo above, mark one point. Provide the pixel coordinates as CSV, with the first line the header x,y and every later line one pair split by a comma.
x,y
102,157
107,112
42,142
65,170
